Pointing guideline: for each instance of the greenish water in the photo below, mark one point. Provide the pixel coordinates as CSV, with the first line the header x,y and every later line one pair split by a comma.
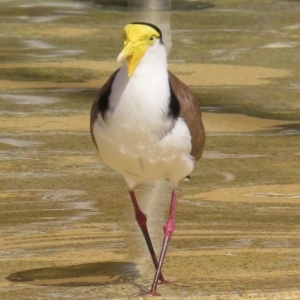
x,y
67,228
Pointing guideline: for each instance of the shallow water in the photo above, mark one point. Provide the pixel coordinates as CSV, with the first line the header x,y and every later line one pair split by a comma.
x,y
67,226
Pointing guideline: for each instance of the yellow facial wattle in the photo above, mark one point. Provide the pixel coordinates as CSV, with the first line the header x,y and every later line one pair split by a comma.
x,y
138,38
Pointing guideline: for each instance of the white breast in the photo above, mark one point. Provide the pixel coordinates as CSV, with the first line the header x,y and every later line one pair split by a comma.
x,y
133,138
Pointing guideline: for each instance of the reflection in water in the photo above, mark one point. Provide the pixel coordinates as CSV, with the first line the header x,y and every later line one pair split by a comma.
x,y
18,142
153,11
29,99
158,5
37,44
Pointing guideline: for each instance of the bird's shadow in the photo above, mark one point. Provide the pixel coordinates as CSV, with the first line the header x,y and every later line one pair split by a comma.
x,y
101,273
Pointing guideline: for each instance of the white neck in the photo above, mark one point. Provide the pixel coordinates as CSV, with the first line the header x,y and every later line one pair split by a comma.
x,y
143,98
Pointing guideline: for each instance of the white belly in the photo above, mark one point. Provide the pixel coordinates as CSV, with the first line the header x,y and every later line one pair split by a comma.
x,y
139,159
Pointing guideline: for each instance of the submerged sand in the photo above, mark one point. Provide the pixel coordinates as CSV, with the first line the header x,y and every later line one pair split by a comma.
x,y
214,122
222,256
191,73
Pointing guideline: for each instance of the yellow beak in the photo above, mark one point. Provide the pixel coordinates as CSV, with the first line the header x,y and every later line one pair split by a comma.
x,y
133,52
127,53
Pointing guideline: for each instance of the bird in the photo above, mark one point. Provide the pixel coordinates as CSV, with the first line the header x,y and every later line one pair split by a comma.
x,y
147,125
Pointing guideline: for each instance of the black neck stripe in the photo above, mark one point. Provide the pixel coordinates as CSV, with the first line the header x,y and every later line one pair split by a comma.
x,y
174,104
150,25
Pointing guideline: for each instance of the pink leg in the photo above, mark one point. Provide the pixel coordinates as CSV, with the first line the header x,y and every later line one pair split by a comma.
x,y
168,231
142,221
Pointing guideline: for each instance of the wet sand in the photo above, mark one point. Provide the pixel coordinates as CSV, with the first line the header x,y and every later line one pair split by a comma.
x,y
194,74
213,123
67,226
77,243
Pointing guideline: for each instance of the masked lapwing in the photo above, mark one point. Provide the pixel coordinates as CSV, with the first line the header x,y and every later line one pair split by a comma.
x,y
147,124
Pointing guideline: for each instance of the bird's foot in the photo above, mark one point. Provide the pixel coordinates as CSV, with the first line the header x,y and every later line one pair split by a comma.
x,y
155,293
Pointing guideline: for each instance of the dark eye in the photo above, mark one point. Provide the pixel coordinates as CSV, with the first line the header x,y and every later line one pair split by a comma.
x,y
151,39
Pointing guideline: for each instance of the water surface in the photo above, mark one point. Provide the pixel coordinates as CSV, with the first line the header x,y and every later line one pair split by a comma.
x,y
67,226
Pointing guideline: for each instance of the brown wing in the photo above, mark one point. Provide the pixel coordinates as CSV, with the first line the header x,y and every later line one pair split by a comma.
x,y
101,103
191,113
